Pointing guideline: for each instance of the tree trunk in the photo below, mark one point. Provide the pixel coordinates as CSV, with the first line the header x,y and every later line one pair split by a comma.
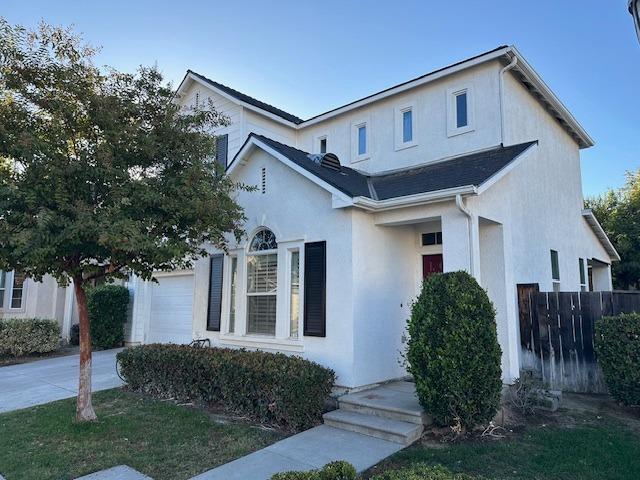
x,y
84,408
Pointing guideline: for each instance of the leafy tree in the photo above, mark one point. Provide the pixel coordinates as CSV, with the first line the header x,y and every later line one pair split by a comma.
x,y
618,211
102,174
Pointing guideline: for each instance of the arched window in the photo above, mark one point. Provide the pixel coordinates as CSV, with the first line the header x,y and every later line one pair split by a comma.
x,y
262,283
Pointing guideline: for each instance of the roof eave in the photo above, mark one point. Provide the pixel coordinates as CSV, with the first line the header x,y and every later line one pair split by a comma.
x,y
196,78
371,205
546,95
600,234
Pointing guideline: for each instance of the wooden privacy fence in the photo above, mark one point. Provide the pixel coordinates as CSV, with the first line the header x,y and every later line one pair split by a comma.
x,y
557,334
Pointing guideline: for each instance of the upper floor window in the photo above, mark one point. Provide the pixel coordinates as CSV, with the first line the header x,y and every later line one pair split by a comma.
x,y
460,110
362,139
462,119
323,145
407,126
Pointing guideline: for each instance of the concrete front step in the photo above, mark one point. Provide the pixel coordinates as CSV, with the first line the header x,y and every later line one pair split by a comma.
x,y
404,433
395,401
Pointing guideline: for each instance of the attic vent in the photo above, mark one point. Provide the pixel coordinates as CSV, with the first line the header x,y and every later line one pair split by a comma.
x,y
326,160
264,180
197,99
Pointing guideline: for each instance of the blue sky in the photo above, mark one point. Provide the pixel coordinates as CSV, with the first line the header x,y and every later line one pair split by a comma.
x,y
309,56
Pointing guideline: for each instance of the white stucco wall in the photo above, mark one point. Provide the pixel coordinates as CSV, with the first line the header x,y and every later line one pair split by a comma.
x,y
297,211
430,123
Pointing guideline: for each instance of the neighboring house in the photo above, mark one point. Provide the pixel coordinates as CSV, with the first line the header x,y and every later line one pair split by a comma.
x,y
473,167
21,297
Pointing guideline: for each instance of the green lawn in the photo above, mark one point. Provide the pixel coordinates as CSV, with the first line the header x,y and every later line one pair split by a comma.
x,y
594,448
159,439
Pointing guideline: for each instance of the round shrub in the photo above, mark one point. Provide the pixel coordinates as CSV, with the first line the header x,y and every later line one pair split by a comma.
x,y
20,337
453,352
107,305
339,470
273,388
617,343
421,472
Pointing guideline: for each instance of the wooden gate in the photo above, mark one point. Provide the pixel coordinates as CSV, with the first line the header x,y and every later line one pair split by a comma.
x,y
557,334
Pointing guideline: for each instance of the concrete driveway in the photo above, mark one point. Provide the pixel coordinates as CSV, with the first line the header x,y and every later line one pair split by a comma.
x,y
45,381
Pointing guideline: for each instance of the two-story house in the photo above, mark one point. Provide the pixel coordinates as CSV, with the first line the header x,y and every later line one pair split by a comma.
x,y
475,166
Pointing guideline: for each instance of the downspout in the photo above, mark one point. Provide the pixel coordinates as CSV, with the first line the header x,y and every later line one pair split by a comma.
x,y
463,208
513,63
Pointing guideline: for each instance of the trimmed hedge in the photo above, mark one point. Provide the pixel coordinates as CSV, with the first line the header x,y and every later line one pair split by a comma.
x,y
273,388
617,343
20,337
453,351
107,305
339,470
421,472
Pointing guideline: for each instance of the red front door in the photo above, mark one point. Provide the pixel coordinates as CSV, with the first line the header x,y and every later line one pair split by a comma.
x,y
431,264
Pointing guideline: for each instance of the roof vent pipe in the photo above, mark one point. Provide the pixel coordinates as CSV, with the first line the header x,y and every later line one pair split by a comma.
x,y
512,64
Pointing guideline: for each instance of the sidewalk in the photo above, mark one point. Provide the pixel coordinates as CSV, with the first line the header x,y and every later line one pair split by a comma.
x,y
308,450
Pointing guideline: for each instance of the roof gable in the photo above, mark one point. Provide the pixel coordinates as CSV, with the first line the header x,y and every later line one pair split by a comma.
x,y
506,54
468,171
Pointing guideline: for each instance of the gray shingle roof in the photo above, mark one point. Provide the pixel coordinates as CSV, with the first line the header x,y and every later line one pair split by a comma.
x,y
247,99
466,170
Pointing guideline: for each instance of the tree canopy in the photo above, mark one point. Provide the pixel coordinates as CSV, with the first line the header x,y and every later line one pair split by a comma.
x,y
102,173
618,211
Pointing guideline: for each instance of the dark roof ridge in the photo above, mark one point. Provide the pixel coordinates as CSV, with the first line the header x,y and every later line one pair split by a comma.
x,y
249,99
297,120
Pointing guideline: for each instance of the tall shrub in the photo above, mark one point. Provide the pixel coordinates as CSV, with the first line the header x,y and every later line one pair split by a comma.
x,y
453,351
20,337
107,305
617,345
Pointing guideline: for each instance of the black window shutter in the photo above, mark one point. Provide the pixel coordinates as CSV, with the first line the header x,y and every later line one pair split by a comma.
x,y
222,143
315,289
215,293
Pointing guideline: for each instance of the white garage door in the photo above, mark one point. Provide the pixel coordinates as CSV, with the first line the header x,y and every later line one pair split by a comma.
x,y
171,310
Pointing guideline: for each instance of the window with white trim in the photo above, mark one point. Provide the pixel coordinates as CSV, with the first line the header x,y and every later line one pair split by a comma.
x,y
360,140
294,294
3,288
555,270
405,126
583,276
460,112
232,299
12,290
262,283
323,145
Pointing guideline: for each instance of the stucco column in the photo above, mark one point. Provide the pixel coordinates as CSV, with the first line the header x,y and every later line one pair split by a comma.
x,y
67,318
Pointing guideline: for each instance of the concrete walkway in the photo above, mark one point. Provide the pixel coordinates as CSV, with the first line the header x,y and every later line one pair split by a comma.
x,y
306,451
45,381
121,472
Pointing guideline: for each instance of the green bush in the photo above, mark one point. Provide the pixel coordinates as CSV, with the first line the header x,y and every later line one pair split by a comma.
x,y
339,470
107,305
272,388
421,472
20,337
617,345
453,352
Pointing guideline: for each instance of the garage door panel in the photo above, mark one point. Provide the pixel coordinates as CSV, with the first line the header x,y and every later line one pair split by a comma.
x,y
171,310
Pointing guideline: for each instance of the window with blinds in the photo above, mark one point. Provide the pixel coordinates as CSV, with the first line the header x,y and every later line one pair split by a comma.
x,y
17,290
262,284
